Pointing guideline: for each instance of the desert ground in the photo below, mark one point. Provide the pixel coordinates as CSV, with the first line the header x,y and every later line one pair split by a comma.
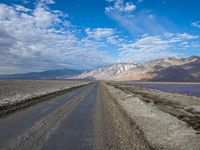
x,y
13,92
96,115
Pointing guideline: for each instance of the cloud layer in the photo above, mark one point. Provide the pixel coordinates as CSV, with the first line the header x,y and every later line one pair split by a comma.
x,y
136,22
153,47
41,38
196,24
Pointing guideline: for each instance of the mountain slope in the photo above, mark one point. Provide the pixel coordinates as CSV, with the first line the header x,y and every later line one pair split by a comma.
x,y
186,72
167,69
153,69
50,74
106,73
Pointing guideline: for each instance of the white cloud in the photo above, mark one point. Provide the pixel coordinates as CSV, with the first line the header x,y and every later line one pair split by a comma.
x,y
21,8
107,36
6,12
187,36
42,39
135,22
129,7
168,34
47,1
120,7
43,18
196,24
153,47
99,32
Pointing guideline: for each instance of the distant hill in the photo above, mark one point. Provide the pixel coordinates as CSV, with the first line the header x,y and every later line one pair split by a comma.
x,y
50,74
186,72
106,73
167,69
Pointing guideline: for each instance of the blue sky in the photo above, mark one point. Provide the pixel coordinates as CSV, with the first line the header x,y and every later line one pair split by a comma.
x,y
38,35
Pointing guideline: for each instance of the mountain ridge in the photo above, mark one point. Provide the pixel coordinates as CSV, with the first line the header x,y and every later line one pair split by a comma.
x,y
107,72
150,70
164,69
49,74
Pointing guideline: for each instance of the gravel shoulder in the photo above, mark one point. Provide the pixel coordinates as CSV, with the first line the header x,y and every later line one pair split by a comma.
x,y
114,129
167,121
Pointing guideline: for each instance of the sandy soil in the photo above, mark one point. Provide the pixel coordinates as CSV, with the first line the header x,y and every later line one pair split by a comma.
x,y
168,121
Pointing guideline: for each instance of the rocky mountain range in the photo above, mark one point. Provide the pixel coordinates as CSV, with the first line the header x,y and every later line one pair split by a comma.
x,y
49,74
167,69
106,73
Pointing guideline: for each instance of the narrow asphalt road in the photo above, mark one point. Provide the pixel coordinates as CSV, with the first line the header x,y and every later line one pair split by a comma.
x,y
86,118
64,122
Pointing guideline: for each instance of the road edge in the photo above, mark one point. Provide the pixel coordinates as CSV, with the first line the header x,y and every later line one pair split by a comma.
x,y
10,108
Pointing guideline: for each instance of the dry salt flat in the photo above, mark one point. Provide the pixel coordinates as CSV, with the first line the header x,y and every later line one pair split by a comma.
x,y
12,91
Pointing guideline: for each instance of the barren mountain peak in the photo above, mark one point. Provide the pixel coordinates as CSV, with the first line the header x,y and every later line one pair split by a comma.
x,y
145,71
